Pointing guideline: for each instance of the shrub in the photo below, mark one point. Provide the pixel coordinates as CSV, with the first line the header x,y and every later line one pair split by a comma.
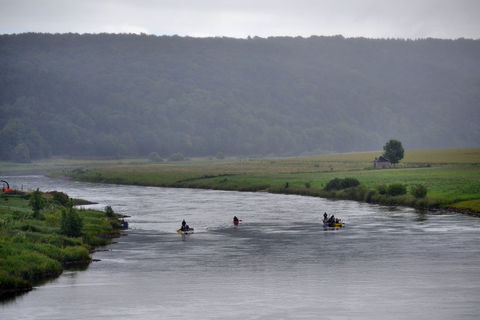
x,y
418,191
357,193
382,189
350,182
70,223
334,184
361,192
37,202
339,184
400,200
220,155
60,198
396,189
109,211
370,196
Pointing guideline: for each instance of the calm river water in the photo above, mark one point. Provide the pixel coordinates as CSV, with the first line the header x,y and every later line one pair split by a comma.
x,y
279,263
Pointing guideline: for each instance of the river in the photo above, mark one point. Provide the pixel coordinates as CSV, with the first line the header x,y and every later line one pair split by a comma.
x,y
279,263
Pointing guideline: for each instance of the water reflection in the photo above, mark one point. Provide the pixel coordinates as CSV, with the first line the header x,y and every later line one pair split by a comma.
x,y
422,215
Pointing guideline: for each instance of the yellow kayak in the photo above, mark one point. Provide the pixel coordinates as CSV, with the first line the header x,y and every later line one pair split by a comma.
x,y
338,224
185,231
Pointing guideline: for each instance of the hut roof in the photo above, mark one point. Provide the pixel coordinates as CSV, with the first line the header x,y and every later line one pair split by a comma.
x,y
381,159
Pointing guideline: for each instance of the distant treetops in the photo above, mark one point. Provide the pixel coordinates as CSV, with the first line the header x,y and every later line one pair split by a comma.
x,y
62,95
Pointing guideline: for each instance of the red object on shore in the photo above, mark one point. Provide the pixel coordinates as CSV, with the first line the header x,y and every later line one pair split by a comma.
x,y
7,189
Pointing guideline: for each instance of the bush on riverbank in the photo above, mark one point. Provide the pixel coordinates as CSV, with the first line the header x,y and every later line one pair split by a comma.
x,y
396,189
34,247
418,190
70,223
343,188
360,193
339,184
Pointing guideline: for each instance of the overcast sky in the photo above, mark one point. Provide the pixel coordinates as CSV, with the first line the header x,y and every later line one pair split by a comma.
x,y
201,18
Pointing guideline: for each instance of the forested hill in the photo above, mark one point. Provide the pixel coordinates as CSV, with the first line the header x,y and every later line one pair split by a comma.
x,y
130,95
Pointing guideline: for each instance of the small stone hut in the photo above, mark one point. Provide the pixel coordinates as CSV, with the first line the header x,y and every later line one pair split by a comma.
x,y
381,163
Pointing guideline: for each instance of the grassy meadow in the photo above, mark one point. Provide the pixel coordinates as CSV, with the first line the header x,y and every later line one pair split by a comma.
x,y
36,247
452,176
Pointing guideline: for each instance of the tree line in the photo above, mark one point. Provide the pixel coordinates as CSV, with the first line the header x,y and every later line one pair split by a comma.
x,y
119,95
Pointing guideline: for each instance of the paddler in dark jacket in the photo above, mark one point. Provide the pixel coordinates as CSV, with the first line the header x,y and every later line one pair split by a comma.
x,y
184,225
331,221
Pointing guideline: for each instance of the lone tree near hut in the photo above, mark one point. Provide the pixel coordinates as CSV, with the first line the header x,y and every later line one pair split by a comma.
x,y
393,151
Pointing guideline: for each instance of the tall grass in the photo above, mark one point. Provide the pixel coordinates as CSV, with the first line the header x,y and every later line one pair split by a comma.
x,y
33,248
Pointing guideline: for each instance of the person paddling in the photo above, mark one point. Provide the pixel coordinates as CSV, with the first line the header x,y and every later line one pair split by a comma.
x,y
185,228
331,221
235,220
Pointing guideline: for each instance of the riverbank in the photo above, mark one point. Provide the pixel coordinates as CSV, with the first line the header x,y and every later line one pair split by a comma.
x,y
450,176
140,274
36,245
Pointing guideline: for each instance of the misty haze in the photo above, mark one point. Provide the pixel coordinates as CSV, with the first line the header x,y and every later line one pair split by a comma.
x,y
239,159
131,95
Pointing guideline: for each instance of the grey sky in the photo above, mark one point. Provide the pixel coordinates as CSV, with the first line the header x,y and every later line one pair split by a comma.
x,y
351,18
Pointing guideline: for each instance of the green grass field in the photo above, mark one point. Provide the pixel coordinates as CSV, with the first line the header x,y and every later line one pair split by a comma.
x,y
452,176
34,248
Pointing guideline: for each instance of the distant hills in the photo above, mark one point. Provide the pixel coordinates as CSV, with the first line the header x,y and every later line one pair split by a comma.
x,y
108,95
